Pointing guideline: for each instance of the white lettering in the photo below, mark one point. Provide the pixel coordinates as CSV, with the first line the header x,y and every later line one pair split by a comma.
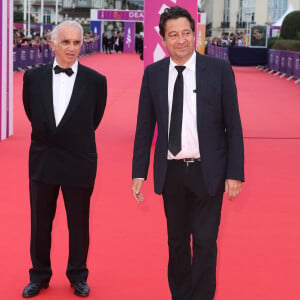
x,y
136,15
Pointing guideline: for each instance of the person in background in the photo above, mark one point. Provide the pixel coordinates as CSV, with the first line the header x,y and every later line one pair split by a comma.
x,y
199,151
64,103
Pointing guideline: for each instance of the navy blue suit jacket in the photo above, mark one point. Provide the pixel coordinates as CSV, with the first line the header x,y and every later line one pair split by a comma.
x,y
218,123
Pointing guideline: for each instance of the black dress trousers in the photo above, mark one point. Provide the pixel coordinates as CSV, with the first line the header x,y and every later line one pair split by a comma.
x,y
43,199
191,211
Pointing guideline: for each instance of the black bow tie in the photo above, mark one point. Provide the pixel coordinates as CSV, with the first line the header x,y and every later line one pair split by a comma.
x,y
58,69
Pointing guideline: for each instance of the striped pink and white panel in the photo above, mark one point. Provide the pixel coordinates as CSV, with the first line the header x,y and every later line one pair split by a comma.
x,y
154,49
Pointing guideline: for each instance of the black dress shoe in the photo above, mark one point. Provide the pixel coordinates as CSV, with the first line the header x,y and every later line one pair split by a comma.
x,y
33,289
81,288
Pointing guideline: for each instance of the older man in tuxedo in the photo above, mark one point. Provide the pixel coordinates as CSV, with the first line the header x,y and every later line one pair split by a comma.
x,y
199,151
64,103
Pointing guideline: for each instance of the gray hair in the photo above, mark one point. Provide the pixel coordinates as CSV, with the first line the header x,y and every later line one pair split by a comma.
x,y
56,29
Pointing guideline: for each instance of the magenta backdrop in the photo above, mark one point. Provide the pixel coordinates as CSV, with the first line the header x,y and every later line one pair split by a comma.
x,y
153,47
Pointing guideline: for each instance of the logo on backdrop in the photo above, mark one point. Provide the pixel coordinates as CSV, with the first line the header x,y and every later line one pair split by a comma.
x,y
128,38
117,15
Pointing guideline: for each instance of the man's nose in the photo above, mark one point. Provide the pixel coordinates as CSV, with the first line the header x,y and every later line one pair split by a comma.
x,y
180,38
72,46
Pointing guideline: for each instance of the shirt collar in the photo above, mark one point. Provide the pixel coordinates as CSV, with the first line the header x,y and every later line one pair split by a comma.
x,y
74,67
190,64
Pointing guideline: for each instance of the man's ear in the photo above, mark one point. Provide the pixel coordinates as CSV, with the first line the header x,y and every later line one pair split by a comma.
x,y
163,40
52,45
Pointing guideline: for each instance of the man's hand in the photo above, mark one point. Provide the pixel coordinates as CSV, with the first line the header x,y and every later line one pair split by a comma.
x,y
232,188
136,189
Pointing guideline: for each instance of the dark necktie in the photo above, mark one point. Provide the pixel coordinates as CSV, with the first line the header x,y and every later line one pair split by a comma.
x,y
58,69
176,114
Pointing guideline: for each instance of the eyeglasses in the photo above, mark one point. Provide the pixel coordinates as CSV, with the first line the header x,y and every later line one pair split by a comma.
x,y
174,36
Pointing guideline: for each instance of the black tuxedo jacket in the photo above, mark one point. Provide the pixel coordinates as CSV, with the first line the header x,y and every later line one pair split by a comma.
x,y
218,123
66,154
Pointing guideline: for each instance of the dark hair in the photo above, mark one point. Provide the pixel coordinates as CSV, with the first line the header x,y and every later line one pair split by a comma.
x,y
174,12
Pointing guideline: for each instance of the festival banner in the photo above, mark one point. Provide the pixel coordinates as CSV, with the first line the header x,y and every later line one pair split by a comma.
x,y
283,61
296,68
31,56
129,37
277,60
120,15
218,52
128,17
211,50
39,56
290,63
95,28
271,59
154,49
47,27
225,53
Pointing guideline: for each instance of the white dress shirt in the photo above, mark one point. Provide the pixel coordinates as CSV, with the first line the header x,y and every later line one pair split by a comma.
x,y
189,133
62,91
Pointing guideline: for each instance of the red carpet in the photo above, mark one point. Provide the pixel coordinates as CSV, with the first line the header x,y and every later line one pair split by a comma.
x,y
259,242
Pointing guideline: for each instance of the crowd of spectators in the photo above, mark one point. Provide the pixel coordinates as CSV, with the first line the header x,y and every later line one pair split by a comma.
x,y
20,39
111,42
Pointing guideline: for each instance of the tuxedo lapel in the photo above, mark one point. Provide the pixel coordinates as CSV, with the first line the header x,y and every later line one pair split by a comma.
x,y
46,85
77,94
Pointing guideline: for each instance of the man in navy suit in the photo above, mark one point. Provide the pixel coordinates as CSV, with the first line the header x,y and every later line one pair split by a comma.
x,y
208,161
64,103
